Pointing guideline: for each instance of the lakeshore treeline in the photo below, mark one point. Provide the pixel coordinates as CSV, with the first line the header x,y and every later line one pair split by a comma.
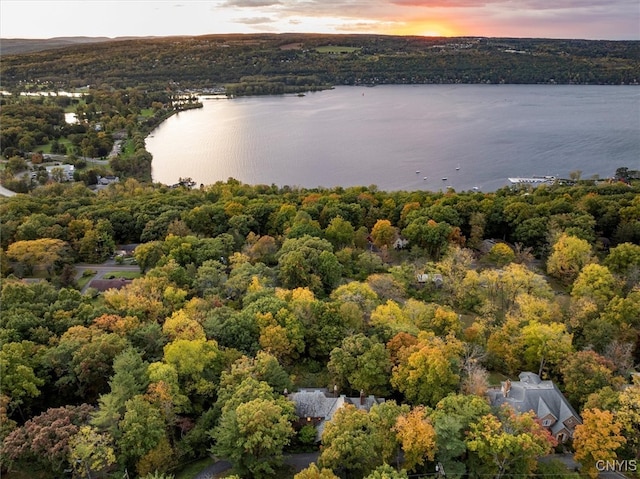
x,y
279,63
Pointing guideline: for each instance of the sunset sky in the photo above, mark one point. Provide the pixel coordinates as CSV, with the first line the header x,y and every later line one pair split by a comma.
x,y
588,19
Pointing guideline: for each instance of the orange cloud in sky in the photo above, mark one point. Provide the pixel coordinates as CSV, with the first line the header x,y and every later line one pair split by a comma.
x,y
428,28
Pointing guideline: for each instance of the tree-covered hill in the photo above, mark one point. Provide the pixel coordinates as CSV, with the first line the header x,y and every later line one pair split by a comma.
x,y
307,61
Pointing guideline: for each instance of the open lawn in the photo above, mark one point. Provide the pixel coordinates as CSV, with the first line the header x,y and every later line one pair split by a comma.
x,y
122,274
495,378
85,278
192,469
336,49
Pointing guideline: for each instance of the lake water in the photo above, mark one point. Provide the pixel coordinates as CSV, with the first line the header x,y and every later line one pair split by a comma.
x,y
394,136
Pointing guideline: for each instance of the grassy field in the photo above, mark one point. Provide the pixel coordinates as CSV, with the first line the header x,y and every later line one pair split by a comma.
x,y
336,49
85,278
122,274
192,469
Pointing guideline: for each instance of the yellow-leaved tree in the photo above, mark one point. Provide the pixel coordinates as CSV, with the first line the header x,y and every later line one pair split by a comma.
x,y
417,437
597,439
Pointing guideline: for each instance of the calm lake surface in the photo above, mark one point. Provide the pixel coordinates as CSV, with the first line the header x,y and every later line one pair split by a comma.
x,y
394,136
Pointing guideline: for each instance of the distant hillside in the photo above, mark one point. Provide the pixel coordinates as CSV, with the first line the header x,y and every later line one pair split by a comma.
x,y
276,63
16,46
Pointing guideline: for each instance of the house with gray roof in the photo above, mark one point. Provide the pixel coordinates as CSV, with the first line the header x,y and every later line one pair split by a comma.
x,y
543,398
317,406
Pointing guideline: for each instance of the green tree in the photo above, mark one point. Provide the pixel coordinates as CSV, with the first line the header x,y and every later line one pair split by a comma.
x,y
142,428
586,372
452,419
18,377
384,417
340,233
433,237
129,379
624,259
362,364
308,262
253,435
347,443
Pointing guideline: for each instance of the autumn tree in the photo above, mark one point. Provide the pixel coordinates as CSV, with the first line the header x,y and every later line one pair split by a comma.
x,y
509,444
386,471
82,361
428,370
181,326
544,346
389,319
198,364
568,256
45,440
597,439
383,234
586,372
383,418
494,292
628,415
46,252
501,255
417,437
596,283
91,452
313,472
